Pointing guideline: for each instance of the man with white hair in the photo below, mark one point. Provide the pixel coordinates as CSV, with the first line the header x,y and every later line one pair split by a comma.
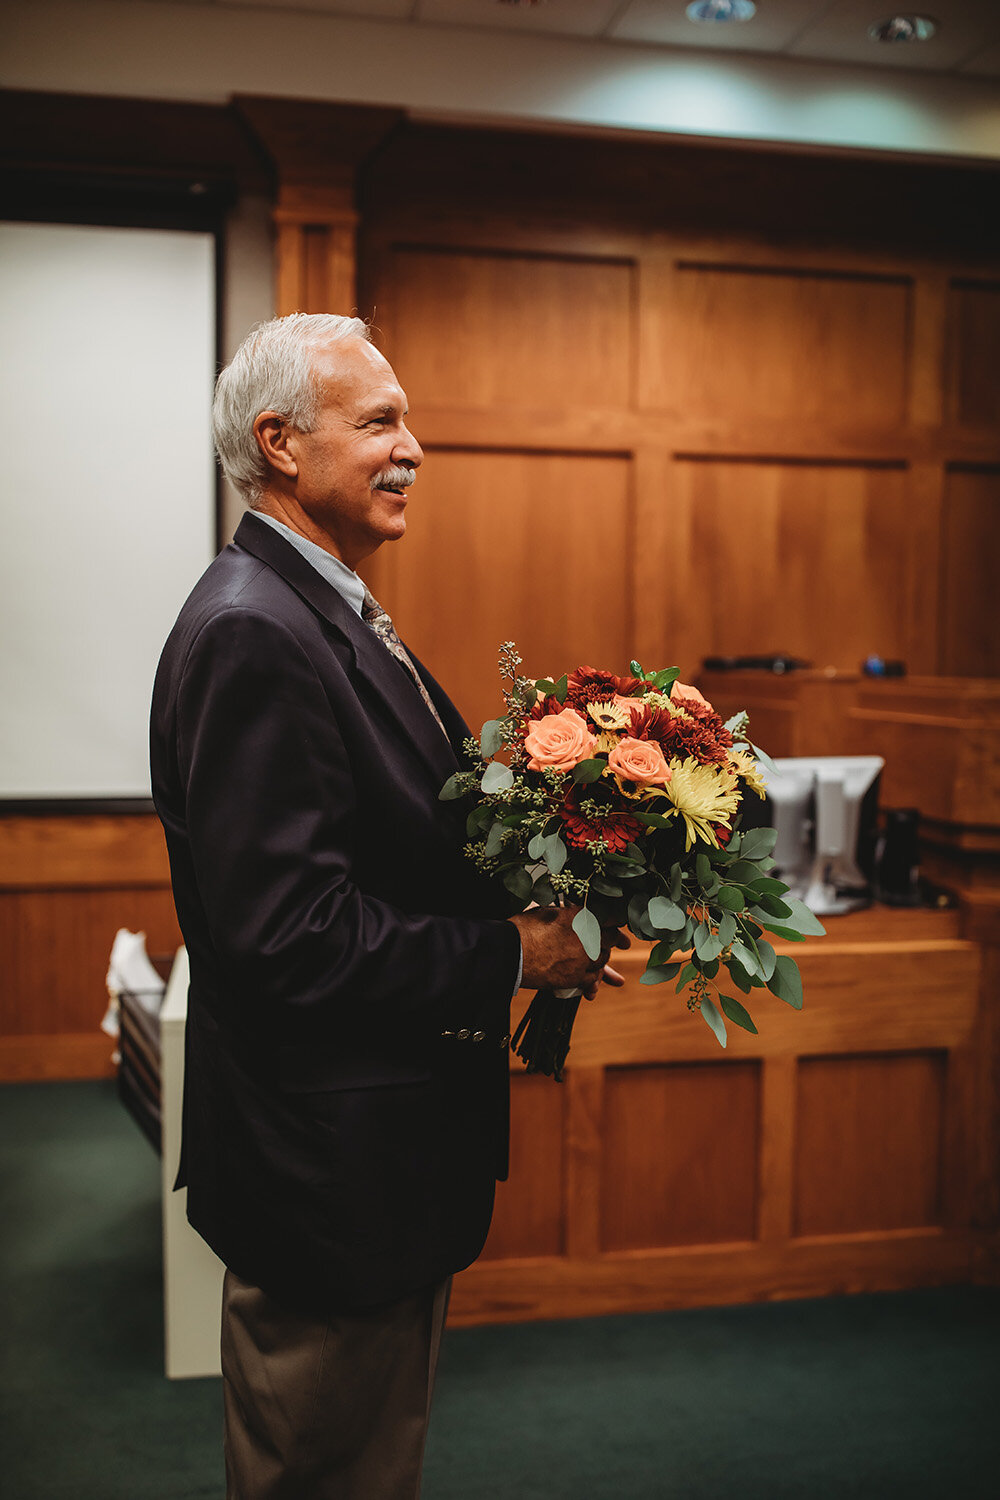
x,y
346,1086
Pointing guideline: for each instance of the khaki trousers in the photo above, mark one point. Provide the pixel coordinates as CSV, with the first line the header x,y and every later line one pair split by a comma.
x,y
327,1408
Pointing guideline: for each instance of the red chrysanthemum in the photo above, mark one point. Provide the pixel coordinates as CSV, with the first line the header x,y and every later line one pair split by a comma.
x,y
592,685
616,828
543,706
698,733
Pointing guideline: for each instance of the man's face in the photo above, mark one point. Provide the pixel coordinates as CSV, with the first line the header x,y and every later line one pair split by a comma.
x,y
352,469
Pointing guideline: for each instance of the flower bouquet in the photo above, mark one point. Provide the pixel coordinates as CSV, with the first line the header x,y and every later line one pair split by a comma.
x,y
621,795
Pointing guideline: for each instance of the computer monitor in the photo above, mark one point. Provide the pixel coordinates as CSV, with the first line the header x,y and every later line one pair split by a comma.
x,y
824,809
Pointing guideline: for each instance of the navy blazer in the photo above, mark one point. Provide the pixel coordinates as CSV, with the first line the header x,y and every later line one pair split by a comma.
x,y
346,1083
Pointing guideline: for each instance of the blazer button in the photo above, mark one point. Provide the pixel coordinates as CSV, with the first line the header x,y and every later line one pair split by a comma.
x,y
505,1041
479,1036
463,1035
447,1033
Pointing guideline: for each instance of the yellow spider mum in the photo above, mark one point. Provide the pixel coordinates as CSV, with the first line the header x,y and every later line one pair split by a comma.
x,y
745,765
606,742
703,795
608,715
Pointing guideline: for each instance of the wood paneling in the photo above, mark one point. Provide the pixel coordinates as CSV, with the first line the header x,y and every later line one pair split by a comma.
x,y
680,1152
529,1217
970,534
807,554
66,885
557,332
881,1169
795,343
500,542
974,327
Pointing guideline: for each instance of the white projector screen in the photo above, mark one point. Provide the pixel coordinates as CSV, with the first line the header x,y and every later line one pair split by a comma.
x,y
108,354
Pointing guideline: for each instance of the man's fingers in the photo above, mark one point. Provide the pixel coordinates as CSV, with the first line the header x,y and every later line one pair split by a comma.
x,y
611,976
621,939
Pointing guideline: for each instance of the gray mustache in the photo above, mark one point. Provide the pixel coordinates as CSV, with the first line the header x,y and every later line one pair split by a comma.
x,y
394,478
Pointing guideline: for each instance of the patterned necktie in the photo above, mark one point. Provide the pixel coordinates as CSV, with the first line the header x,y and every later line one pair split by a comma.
x,y
374,615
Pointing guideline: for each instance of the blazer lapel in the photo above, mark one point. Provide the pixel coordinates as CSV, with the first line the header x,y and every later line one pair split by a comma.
x,y
381,672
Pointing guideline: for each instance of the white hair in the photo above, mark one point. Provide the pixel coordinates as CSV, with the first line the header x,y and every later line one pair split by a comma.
x,y
272,370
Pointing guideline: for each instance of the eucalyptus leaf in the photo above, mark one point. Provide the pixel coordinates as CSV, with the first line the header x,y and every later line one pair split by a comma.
x,y
604,886
766,959
744,956
773,906
730,899
706,943
727,928
519,883
588,930
758,842
537,846
494,841
676,882
742,871
766,885
497,777
703,868
738,723
588,771
554,853
688,973
786,981
713,1020
737,1013
658,973
543,891
802,919
651,820
637,918
739,977
664,915
764,758
491,736
787,934
545,686
661,953
561,688
453,787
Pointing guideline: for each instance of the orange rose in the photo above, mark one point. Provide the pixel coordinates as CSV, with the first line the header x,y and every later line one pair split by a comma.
x,y
639,760
681,693
559,740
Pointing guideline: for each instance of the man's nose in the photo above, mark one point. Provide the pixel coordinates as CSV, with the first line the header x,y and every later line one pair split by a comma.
x,y
408,451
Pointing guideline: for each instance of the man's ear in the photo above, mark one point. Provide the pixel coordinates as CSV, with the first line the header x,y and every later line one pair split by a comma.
x,y
271,432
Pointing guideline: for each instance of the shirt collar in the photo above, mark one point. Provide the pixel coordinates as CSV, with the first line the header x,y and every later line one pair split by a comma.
x,y
344,579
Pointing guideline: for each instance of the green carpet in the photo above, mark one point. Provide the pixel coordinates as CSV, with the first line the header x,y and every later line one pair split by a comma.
x,y
861,1398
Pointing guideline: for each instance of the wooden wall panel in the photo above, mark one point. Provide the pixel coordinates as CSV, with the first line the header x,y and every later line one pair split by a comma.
x,y
529,1218
881,1168
680,1148
787,342
970,552
789,557
555,332
497,545
974,328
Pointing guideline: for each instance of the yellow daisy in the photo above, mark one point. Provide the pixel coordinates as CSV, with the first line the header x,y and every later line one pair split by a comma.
x,y
703,795
608,715
746,766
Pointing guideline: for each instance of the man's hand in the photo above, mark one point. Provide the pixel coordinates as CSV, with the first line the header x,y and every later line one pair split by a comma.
x,y
554,956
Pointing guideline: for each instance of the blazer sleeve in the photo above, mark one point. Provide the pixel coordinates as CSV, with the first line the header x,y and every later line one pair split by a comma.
x,y
272,820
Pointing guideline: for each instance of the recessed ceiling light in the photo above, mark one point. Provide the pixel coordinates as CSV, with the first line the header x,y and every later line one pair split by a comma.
x,y
721,10
904,29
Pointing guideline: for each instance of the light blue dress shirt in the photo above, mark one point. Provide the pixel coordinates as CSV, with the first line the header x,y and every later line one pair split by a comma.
x,y
349,586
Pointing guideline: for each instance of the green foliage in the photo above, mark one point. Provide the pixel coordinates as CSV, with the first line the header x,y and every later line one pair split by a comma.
x,y
497,777
588,771
455,786
737,1013
786,981
664,916
713,1020
657,973
491,736
730,899
588,930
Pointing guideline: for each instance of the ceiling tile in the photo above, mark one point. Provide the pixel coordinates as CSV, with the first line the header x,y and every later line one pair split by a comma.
x,y
566,17
776,23
841,34
369,10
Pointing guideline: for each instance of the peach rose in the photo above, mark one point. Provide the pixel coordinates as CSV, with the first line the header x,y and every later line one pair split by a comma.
x,y
559,740
681,693
639,760
631,706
